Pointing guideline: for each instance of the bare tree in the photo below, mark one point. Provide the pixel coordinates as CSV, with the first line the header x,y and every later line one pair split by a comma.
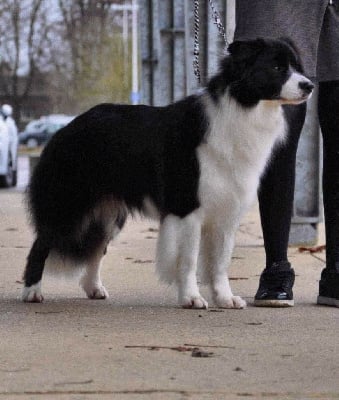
x,y
95,49
25,47
77,43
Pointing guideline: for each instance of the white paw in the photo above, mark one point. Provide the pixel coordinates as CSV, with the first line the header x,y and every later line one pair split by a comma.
x,y
97,293
193,302
32,294
230,302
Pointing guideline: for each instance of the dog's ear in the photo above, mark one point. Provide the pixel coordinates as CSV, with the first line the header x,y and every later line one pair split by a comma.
x,y
290,43
243,50
294,47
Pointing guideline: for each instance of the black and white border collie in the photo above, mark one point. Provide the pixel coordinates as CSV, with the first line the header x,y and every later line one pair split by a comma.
x,y
194,165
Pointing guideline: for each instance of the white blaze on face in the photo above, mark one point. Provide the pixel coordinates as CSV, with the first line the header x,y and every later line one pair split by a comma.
x,y
292,91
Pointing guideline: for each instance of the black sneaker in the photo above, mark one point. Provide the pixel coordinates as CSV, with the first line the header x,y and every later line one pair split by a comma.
x,y
329,288
275,286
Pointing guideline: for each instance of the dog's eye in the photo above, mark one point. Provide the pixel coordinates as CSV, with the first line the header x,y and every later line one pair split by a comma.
x,y
279,68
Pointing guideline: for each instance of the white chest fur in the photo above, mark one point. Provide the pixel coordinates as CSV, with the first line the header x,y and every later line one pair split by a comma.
x,y
237,148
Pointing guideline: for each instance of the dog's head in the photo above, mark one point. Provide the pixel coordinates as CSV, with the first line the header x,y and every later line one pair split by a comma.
x,y
264,69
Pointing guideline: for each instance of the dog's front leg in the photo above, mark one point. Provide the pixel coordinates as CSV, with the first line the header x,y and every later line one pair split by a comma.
x,y
177,257
189,295
220,245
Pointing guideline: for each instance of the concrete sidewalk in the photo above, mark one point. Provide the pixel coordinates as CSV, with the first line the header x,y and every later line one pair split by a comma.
x,y
139,344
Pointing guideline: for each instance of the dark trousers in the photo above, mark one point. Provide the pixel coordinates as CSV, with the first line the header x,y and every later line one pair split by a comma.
x,y
277,185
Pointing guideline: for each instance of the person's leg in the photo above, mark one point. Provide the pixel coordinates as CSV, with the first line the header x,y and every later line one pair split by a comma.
x,y
328,108
275,195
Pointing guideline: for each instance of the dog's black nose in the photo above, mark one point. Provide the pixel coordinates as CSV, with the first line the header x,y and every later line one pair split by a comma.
x,y
306,86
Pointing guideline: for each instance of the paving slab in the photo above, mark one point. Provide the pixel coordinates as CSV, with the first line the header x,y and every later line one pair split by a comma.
x,y
139,344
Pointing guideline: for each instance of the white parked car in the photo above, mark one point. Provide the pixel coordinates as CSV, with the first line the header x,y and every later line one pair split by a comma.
x,y
8,147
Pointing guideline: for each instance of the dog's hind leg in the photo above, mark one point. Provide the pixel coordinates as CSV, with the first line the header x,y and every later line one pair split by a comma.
x,y
33,273
91,281
177,256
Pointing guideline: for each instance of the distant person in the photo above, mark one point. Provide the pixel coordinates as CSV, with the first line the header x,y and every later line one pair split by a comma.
x,y
10,162
7,112
313,25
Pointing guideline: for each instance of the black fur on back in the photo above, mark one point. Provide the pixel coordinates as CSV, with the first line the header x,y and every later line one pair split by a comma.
x,y
120,152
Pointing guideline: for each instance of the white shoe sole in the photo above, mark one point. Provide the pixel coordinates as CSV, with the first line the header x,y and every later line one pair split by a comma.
x,y
328,301
274,303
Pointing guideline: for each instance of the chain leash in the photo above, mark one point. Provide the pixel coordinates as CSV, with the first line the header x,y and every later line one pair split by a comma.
x,y
221,30
196,50
218,23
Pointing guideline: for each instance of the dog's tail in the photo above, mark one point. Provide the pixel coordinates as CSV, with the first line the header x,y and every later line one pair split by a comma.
x,y
71,251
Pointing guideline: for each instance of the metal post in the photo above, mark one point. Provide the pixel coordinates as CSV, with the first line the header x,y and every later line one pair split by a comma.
x,y
125,43
134,8
125,25
307,205
135,95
